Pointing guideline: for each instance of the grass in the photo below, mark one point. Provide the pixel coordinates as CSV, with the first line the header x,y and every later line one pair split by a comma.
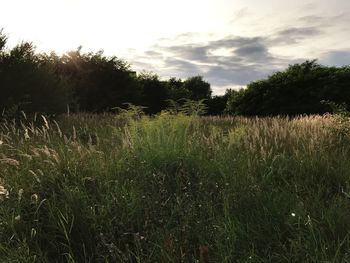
x,y
175,188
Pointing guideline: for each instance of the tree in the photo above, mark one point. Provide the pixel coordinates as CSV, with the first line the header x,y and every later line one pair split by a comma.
x,y
217,104
90,82
176,90
198,88
154,92
28,83
3,40
100,82
297,90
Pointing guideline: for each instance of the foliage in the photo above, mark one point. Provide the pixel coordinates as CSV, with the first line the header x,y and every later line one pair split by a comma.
x,y
217,104
190,107
341,129
131,112
297,90
187,107
338,109
83,82
92,82
29,83
197,88
100,82
174,188
176,89
3,40
154,92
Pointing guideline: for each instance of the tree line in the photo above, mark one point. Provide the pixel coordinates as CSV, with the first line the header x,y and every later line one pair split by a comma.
x,y
305,88
92,82
88,82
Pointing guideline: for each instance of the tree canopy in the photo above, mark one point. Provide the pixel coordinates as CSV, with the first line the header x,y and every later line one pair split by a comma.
x,y
300,89
92,82
88,82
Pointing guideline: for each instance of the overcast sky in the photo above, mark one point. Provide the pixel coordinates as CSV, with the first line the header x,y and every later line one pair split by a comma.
x,y
229,42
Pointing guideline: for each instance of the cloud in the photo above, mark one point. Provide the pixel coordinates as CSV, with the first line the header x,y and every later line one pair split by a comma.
x,y
326,23
235,41
224,76
299,32
190,52
253,52
294,35
232,60
177,67
247,59
152,53
240,49
311,19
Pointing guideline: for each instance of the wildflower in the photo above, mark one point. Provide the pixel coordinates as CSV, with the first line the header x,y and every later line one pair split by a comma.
x,y
17,218
1,142
293,214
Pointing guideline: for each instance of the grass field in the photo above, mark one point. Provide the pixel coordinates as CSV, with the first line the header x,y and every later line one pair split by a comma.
x,y
175,188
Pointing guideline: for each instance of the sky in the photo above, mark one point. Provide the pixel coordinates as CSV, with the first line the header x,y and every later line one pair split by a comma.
x,y
228,42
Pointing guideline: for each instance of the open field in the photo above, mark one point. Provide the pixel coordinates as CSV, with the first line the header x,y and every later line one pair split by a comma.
x,y
175,188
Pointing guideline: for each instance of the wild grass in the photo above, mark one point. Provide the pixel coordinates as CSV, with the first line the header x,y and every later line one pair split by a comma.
x,y
175,188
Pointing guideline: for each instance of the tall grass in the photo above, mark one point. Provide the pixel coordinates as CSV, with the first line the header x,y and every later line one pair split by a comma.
x,y
174,188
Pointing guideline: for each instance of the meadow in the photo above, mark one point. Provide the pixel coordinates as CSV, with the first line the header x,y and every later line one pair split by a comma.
x,y
174,188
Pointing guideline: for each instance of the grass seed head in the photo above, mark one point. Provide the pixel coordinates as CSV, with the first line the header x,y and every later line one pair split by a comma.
x,y
4,193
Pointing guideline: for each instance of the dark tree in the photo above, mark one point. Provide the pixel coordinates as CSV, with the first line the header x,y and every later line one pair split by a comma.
x,y
217,104
176,90
198,88
100,83
30,84
154,92
297,90
3,40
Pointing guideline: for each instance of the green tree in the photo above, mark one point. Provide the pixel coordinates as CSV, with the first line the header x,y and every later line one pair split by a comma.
x,y
176,90
198,88
297,90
